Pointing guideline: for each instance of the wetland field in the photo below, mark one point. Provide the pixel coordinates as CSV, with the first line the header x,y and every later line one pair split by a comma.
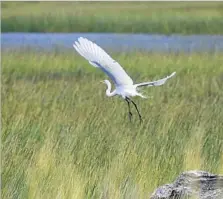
x,y
62,137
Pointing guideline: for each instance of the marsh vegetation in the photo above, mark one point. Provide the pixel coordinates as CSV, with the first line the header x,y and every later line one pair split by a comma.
x,y
63,138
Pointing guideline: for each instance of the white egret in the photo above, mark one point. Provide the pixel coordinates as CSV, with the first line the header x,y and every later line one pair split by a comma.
x,y
124,86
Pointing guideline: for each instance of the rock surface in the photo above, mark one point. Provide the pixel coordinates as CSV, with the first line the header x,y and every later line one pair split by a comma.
x,y
192,184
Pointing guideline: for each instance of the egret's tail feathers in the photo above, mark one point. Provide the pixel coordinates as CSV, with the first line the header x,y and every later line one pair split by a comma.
x,y
145,97
142,96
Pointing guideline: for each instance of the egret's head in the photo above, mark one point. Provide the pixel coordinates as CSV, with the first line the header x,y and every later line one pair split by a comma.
x,y
105,81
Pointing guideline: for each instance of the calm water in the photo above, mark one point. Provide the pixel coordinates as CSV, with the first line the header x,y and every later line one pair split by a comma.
x,y
115,42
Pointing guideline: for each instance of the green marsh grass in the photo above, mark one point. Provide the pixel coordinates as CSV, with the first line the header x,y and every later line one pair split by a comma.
x,y
63,138
120,17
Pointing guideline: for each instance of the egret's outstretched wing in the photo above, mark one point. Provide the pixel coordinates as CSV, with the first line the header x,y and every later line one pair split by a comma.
x,y
156,83
99,58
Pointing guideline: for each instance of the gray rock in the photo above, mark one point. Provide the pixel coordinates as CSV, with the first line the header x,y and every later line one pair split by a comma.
x,y
192,184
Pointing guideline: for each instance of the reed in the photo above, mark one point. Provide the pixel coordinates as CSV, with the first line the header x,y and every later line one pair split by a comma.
x,y
63,138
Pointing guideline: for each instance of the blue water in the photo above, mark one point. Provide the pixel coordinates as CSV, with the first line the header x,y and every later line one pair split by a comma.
x,y
115,42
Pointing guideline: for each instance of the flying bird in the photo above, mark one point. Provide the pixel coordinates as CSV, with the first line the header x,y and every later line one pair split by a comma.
x,y
124,86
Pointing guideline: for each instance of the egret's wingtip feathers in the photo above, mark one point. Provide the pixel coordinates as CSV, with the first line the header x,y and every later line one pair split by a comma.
x,y
172,74
80,38
75,44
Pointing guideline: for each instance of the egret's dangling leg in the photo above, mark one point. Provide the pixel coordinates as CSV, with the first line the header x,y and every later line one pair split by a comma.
x,y
130,113
140,117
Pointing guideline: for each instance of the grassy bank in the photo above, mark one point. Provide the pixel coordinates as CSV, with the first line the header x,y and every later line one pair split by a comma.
x,y
122,17
63,138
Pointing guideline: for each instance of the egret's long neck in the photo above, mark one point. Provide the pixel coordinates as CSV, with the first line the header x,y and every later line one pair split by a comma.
x,y
108,91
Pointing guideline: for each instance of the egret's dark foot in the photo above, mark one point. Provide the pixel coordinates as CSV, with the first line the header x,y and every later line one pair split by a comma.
x,y
140,119
130,116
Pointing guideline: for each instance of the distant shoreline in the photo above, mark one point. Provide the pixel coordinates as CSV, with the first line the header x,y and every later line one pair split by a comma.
x,y
124,17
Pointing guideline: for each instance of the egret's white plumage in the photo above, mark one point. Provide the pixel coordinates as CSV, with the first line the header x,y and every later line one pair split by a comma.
x,y
97,57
